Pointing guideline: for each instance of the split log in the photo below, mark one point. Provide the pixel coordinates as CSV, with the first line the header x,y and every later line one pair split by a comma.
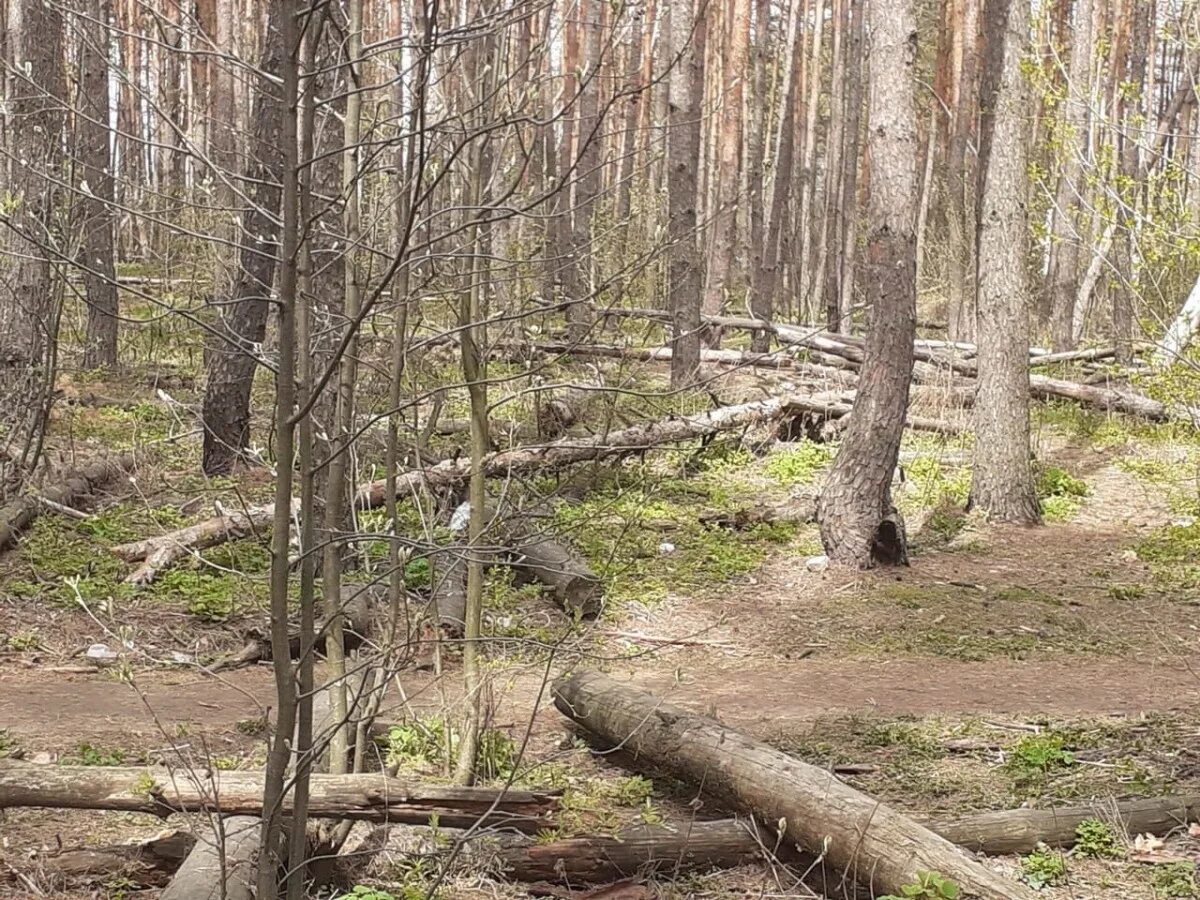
x,y
369,797
1021,830
815,810
69,490
222,866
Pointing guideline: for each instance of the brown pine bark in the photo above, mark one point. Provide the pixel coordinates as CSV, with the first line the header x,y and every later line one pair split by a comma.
x,y
685,277
735,41
1002,479
856,515
95,206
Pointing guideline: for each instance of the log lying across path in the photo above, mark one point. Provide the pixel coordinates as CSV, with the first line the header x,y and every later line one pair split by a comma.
x,y
873,843
67,490
369,797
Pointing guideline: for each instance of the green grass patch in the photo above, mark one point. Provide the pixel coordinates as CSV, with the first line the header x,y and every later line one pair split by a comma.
x,y
799,463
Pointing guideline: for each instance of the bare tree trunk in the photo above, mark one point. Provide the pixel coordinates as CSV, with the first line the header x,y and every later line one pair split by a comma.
x,y
734,42
29,301
858,522
1133,104
766,275
960,184
233,356
95,207
273,849
1068,213
683,153
1002,478
849,218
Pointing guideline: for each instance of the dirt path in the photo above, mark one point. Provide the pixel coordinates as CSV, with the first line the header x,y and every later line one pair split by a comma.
x,y
744,692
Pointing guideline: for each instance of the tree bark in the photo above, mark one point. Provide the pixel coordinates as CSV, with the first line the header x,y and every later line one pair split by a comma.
x,y
95,206
735,43
1002,478
233,356
684,276
221,866
69,489
1068,209
856,514
366,797
814,809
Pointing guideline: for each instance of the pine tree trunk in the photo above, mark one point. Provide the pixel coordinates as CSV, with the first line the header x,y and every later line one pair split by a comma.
x,y
95,206
1002,479
856,516
683,161
1068,214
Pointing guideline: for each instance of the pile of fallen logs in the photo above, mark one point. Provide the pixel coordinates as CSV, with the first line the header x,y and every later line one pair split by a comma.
x,y
787,810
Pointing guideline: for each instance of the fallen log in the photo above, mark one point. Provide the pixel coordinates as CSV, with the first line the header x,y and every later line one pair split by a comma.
x,y
369,797
68,490
640,850
813,809
1102,398
157,553
223,864
536,555
1021,830
150,862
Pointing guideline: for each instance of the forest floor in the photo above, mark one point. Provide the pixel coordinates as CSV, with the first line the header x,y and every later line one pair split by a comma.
x,y
1069,652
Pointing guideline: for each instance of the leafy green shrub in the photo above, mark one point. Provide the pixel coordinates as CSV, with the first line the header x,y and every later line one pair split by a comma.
x,y
928,886
91,755
1043,867
1095,840
1061,493
1037,757
1175,880
423,744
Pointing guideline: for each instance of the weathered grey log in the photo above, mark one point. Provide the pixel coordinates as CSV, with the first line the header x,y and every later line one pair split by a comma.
x,y
639,850
1021,830
448,580
222,865
370,797
536,555
874,844
68,489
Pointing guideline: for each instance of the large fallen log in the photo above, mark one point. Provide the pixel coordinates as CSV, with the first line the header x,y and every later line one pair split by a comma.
x,y
1021,830
68,490
1102,398
223,864
369,797
857,834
